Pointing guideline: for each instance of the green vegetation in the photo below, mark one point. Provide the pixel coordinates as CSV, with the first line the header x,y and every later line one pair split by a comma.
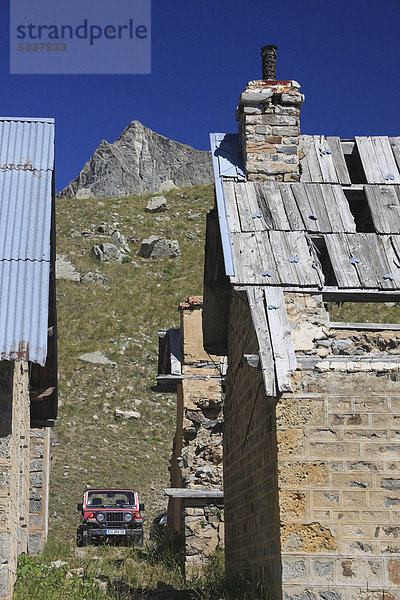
x,y
109,573
364,312
120,319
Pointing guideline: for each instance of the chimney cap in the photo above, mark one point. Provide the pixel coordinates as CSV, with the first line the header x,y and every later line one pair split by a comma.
x,y
268,57
269,47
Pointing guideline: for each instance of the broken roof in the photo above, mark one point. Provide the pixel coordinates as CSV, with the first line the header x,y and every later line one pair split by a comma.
x,y
338,229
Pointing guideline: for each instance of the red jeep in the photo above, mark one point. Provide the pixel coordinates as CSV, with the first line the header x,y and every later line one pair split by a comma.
x,y
110,514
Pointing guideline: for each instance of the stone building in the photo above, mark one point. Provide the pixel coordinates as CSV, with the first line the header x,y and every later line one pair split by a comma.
x,y
312,406
195,499
28,364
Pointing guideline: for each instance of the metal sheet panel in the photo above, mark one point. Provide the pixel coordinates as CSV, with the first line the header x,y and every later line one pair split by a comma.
x,y
215,139
24,303
26,145
26,170
25,215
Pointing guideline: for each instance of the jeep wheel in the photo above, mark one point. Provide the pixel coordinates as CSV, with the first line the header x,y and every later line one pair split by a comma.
x,y
86,539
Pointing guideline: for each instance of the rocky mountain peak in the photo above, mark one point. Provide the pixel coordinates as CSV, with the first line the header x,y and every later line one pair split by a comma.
x,y
140,161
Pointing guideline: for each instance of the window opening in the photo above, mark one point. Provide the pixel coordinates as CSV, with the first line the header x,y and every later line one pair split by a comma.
x,y
353,161
360,210
357,313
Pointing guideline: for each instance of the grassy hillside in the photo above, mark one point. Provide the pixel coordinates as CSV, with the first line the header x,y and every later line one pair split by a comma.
x,y
120,319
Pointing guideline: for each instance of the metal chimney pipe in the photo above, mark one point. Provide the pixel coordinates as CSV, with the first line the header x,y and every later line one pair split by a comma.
x,y
268,57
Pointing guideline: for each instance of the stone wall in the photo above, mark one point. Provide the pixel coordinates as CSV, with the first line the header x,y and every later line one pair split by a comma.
x,y
39,488
252,542
329,449
204,532
14,469
23,474
197,449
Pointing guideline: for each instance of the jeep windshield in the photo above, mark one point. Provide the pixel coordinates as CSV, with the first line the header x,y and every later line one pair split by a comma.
x,y
110,499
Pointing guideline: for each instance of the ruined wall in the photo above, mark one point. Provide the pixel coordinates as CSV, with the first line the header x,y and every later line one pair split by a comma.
x,y
204,532
197,449
311,492
252,541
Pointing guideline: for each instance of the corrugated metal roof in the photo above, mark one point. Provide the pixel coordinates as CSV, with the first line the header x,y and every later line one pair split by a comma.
x,y
26,168
26,145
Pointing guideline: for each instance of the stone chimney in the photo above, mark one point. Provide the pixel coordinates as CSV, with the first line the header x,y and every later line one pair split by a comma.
x,y
269,125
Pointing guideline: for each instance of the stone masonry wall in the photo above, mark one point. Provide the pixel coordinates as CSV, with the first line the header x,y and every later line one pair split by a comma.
x,y
38,490
204,532
339,460
197,453
317,483
14,469
269,130
252,542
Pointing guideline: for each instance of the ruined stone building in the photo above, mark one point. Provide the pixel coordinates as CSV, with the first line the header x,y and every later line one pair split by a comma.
x,y
312,406
28,367
195,506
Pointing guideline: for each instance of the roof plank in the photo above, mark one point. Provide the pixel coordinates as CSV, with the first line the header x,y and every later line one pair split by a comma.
x,y
231,208
385,158
255,300
305,208
343,209
246,221
281,339
395,145
294,217
339,160
360,250
325,159
271,205
377,159
255,211
339,254
311,170
384,203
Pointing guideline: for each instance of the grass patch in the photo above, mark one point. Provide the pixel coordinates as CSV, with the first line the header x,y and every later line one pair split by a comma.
x,y
113,573
364,312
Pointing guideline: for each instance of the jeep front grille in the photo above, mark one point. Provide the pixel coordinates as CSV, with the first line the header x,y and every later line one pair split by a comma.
x,y
115,517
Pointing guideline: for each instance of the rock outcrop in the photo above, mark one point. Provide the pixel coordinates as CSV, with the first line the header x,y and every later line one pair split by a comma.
x,y
140,161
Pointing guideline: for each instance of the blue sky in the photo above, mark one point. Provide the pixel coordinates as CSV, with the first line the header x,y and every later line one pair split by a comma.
x,y
345,54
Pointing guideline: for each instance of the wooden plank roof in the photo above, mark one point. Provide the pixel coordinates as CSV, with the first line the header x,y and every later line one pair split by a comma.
x,y
325,231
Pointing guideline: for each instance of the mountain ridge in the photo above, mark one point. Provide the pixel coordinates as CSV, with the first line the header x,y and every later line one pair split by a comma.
x,y
139,161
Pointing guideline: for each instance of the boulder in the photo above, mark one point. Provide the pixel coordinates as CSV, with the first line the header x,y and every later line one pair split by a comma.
x,y
126,414
94,278
107,253
65,269
164,248
147,246
120,241
106,228
156,204
96,358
